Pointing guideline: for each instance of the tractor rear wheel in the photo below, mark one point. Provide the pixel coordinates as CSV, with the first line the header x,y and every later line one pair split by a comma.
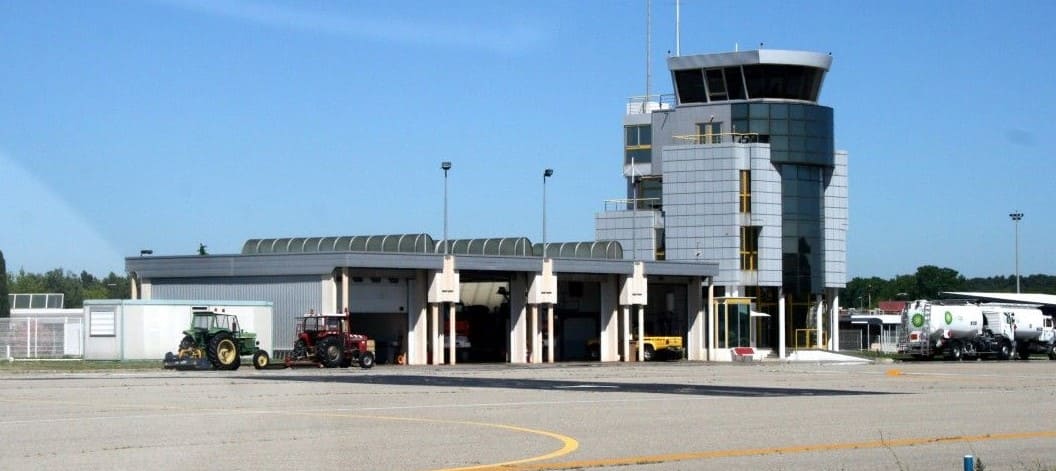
x,y
330,352
366,360
223,353
261,360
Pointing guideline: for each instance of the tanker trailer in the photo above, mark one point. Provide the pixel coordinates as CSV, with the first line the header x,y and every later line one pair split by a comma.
x,y
936,328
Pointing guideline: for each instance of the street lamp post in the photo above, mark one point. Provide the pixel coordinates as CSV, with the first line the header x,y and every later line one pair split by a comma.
x,y
1016,216
445,166
547,173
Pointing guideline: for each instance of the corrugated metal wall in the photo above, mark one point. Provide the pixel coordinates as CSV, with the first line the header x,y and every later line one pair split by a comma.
x,y
292,296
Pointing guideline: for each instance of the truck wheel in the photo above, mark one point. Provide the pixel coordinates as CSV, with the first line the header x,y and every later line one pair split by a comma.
x,y
261,360
648,352
223,353
956,352
330,352
1023,351
366,360
1004,350
1052,352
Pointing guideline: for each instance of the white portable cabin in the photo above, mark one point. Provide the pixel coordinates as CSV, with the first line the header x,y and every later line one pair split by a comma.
x,y
122,329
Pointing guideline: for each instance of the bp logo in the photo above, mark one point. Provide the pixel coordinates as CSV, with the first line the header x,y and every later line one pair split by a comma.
x,y
918,320
949,318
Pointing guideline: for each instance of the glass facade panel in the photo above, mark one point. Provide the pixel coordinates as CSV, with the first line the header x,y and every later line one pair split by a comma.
x,y
690,84
734,83
759,110
802,201
779,110
639,155
716,85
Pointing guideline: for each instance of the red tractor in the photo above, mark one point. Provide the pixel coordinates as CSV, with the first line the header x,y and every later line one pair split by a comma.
x,y
326,339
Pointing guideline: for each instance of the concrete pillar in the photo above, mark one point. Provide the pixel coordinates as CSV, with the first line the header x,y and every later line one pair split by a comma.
x,y
518,319
452,337
781,323
417,320
534,347
434,334
695,320
641,331
625,333
609,321
344,290
818,313
711,320
834,320
329,294
549,333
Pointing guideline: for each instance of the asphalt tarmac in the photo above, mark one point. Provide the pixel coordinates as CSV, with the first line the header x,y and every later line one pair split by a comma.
x,y
651,416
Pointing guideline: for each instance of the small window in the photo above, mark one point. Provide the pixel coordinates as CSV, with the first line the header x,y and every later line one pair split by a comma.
x,y
746,191
709,133
750,248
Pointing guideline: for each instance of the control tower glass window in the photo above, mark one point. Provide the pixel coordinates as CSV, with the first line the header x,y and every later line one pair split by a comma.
x,y
638,144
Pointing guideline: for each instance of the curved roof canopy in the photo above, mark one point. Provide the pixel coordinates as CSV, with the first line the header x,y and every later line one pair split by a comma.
x,y
424,243
401,243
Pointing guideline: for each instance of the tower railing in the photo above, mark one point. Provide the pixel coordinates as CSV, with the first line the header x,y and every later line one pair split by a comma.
x,y
647,104
718,138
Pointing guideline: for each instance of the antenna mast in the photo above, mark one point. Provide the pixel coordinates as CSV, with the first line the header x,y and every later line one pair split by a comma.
x,y
648,51
678,28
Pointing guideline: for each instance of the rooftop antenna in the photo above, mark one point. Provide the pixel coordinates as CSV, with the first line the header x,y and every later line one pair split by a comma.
x,y
678,28
648,50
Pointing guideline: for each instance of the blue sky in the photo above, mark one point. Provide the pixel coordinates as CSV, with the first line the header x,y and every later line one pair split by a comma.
x,y
128,125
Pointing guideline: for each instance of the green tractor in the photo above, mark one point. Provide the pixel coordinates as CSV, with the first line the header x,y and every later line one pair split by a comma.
x,y
215,341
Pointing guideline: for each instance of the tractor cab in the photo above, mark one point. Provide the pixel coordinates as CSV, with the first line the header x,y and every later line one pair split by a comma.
x,y
331,323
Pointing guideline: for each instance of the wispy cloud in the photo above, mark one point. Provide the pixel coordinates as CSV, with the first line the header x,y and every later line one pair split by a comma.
x,y
494,37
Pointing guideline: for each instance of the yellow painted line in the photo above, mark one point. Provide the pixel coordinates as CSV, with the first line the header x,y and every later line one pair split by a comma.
x,y
704,455
568,444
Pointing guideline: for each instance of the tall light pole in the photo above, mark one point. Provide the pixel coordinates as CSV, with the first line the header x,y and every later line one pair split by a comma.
x,y
547,173
445,166
1016,216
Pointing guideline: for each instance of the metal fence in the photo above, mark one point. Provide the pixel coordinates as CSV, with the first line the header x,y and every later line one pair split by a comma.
x,y
885,340
41,338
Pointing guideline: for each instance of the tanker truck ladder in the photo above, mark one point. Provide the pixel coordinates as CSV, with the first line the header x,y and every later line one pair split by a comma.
x,y
925,347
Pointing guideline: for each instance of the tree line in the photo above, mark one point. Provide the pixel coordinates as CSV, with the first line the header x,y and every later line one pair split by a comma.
x,y
929,281
75,287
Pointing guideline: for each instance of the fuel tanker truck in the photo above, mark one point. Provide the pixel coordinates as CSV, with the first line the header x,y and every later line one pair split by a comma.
x,y
958,329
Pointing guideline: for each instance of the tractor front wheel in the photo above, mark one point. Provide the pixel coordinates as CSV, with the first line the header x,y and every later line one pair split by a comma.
x,y
187,342
261,360
366,360
300,350
223,353
330,352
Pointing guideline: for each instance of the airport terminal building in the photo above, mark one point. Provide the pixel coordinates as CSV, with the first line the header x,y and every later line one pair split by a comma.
x,y
732,234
